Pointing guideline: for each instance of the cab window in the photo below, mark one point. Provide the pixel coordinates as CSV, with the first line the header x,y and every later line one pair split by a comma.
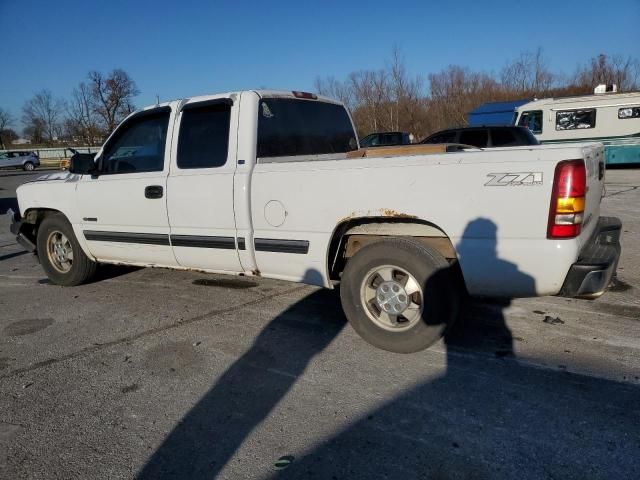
x,y
138,145
531,119
288,127
204,136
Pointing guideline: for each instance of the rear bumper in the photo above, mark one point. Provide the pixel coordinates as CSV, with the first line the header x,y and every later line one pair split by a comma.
x,y
591,275
16,229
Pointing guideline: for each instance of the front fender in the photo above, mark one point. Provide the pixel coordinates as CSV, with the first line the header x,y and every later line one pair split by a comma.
x,y
50,194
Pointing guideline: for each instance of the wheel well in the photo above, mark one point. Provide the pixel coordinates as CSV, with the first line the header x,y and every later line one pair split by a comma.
x,y
350,236
32,219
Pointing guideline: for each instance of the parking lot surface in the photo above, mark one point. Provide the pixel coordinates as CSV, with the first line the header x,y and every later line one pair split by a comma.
x,y
151,373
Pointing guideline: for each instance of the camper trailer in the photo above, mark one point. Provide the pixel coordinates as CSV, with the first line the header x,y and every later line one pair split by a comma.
x,y
606,116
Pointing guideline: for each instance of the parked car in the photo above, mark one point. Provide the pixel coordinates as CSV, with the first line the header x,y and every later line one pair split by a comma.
x,y
272,184
385,139
485,137
26,160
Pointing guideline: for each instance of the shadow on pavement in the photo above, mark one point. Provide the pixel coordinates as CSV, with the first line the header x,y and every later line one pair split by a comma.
x,y
486,416
8,203
107,271
12,255
210,433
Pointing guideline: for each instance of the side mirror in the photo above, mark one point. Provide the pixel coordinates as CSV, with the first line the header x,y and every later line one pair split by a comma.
x,y
82,163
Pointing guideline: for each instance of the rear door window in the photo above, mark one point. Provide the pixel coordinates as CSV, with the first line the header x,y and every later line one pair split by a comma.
x,y
478,138
204,136
291,127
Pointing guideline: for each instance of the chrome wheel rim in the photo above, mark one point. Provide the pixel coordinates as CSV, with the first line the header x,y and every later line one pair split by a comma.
x,y
60,251
392,298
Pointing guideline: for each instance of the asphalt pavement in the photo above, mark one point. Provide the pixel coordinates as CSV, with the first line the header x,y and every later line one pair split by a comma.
x,y
151,373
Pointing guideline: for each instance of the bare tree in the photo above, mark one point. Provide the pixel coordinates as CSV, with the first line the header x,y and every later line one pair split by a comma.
x,y
455,91
332,88
371,93
7,137
618,70
112,96
6,119
407,97
528,74
390,99
82,121
41,116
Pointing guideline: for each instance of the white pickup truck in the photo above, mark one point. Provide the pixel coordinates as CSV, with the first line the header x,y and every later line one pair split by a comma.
x,y
274,184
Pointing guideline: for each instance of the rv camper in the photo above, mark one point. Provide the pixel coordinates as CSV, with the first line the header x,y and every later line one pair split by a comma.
x,y
606,116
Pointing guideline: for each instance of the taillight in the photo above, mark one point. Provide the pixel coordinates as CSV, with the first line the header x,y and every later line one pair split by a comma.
x,y
567,200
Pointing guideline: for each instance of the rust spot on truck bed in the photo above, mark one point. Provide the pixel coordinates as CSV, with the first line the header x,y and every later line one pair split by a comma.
x,y
348,217
384,212
388,212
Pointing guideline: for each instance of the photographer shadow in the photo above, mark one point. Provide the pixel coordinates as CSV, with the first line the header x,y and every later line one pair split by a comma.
x,y
206,438
431,430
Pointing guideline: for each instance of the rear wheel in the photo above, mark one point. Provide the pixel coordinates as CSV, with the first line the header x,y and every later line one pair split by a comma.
x,y
28,166
399,295
60,254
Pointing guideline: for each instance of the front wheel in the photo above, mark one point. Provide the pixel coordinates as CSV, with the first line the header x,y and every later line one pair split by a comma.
x,y
399,295
29,167
60,254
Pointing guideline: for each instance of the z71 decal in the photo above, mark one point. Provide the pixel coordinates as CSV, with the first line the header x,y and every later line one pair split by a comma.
x,y
526,179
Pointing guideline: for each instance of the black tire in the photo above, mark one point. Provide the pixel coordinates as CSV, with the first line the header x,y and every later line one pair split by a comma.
x,y
440,295
81,269
28,166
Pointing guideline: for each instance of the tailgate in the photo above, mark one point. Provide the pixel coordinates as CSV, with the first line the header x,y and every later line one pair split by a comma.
x,y
594,162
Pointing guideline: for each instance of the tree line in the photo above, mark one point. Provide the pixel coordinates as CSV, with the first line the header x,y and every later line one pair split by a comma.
x,y
97,105
390,99
387,99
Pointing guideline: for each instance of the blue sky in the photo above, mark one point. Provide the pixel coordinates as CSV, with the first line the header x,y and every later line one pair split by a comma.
x,y
184,48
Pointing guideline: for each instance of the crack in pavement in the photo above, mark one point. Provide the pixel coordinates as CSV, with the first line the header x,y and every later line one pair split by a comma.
x,y
146,333
619,192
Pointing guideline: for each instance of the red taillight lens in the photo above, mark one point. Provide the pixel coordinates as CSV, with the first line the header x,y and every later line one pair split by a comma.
x,y
567,200
571,179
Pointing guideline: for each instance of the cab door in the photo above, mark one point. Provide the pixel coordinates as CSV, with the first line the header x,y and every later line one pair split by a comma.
x,y
200,186
123,206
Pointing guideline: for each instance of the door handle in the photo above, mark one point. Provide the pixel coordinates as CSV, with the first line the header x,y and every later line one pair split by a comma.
x,y
153,191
